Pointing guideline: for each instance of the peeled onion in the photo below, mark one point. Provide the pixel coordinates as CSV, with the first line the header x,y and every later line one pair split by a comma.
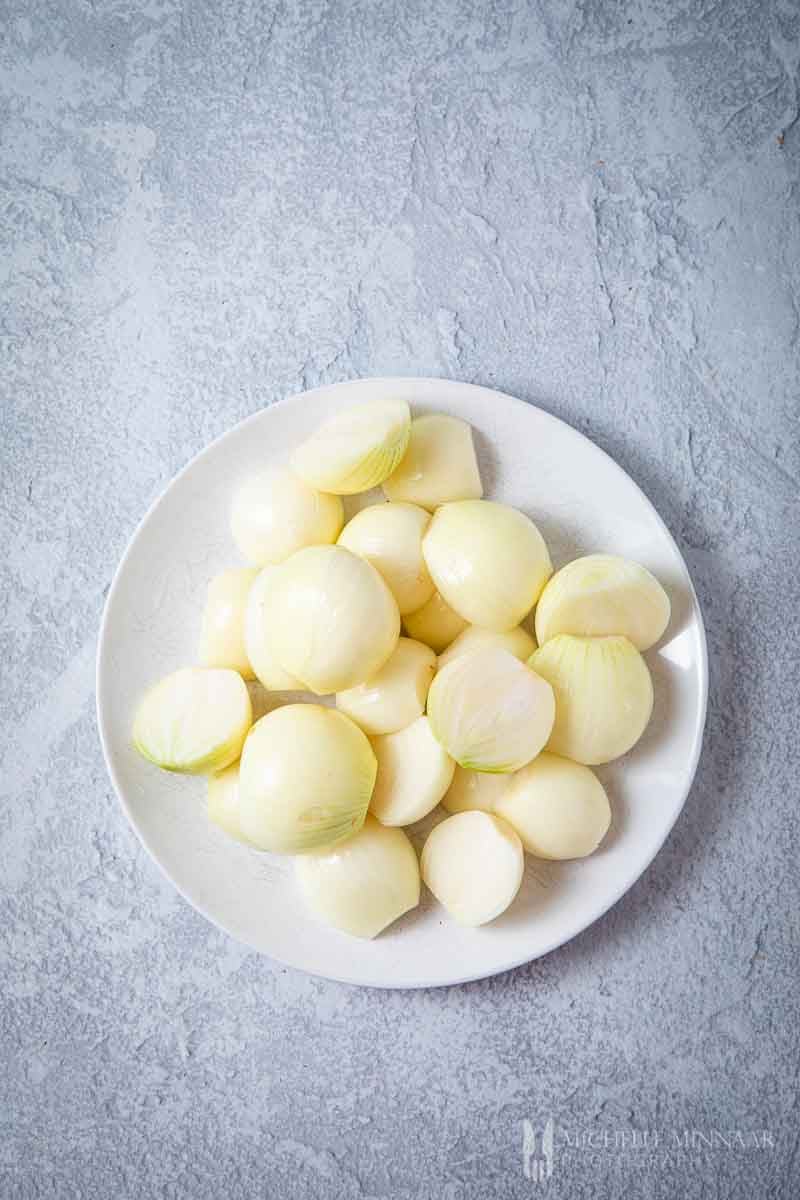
x,y
258,636
194,720
395,696
334,621
558,807
489,562
490,711
275,513
390,537
604,695
222,642
604,595
436,624
475,790
356,449
363,884
223,802
439,464
305,780
473,864
414,772
517,641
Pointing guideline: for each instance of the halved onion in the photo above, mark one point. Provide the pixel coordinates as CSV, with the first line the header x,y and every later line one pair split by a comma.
x,y
473,864
390,537
395,696
356,449
223,802
517,641
222,641
490,711
275,513
436,624
305,780
558,807
194,720
600,595
475,791
604,695
258,636
439,464
414,772
489,562
334,621
364,883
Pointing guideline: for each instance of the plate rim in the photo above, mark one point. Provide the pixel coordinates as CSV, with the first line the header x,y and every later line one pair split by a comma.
x,y
399,381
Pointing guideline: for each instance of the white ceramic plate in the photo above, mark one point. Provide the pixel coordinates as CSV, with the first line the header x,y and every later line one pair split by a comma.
x,y
582,502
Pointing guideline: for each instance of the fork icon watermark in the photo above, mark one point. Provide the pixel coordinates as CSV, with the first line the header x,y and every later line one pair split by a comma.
x,y
537,1151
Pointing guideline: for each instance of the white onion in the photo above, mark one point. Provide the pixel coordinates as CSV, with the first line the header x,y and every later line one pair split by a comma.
x,y
558,807
517,641
275,513
489,562
439,464
305,780
223,802
604,695
334,621
436,624
194,720
414,772
473,864
390,537
258,636
490,711
395,696
356,449
222,642
364,883
475,790
600,595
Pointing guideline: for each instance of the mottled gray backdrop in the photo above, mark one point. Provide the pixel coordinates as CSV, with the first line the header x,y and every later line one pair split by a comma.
x,y
207,205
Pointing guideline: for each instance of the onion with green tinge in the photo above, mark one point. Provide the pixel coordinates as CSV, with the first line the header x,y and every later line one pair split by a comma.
x,y
604,695
356,449
490,711
305,780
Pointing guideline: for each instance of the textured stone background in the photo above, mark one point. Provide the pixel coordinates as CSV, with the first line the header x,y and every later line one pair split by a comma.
x,y
206,206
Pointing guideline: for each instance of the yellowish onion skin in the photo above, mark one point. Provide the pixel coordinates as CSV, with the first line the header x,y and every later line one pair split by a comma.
x,y
436,624
258,636
222,640
475,791
390,537
488,561
395,696
357,449
275,513
363,884
334,621
414,772
223,802
517,641
604,695
558,807
305,780
439,464
473,863
601,595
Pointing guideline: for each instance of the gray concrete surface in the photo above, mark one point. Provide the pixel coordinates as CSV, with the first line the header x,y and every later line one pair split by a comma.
x,y
205,206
